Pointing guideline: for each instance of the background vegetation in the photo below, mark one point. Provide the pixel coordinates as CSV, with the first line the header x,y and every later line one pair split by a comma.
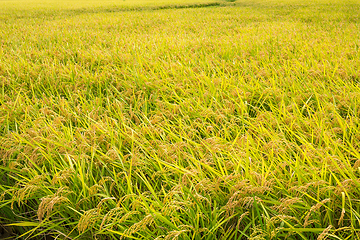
x,y
180,120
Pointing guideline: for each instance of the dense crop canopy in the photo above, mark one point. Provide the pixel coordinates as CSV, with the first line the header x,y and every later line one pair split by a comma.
x,y
180,120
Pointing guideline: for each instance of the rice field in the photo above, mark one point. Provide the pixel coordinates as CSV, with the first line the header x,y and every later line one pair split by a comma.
x,y
184,119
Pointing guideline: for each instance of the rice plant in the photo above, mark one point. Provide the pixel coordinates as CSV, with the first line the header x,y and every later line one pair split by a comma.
x,y
182,120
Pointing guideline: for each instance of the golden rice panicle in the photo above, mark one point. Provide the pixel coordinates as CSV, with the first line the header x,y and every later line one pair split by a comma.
x,y
141,225
324,234
112,215
314,208
47,205
174,234
286,204
88,219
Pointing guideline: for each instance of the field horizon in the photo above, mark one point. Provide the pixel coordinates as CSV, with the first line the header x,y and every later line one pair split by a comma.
x,y
184,119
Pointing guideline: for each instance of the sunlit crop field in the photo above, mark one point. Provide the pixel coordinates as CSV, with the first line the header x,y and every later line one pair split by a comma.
x,y
186,119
